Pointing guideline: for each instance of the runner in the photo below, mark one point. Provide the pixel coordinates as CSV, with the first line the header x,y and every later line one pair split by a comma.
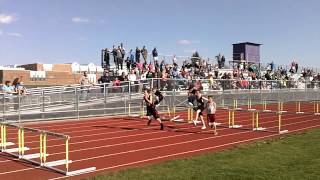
x,y
152,113
211,114
199,108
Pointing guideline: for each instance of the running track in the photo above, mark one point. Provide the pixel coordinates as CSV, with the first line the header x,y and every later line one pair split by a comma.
x,y
112,144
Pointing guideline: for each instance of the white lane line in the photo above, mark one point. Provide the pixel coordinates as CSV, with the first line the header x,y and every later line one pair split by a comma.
x,y
80,142
140,141
95,129
157,146
188,152
75,126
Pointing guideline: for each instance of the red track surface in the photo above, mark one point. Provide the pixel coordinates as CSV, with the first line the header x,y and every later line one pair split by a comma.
x,y
111,144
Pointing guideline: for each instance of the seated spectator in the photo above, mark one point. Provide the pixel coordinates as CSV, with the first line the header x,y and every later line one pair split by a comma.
x,y
105,78
7,88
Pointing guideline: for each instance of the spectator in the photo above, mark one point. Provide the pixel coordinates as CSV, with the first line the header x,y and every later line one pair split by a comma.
x,y
133,80
223,60
105,78
116,85
106,58
155,54
114,53
85,84
119,58
131,56
123,77
144,52
7,88
128,64
123,51
138,51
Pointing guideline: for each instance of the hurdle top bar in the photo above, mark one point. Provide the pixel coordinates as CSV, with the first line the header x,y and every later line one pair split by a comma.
x,y
58,135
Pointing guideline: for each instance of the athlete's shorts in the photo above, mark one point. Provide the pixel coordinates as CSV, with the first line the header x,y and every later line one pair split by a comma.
x,y
201,108
211,118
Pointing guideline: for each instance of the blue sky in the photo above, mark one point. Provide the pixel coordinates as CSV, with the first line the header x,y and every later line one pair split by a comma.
x,y
61,31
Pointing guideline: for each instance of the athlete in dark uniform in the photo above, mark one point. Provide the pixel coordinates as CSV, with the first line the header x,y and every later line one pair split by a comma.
x,y
151,107
199,108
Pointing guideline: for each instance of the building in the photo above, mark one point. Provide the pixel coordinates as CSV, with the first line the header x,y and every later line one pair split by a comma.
x,y
37,74
247,52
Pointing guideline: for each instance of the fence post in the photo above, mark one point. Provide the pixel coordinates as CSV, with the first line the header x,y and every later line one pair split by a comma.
x,y
43,104
104,98
129,90
76,94
4,107
19,105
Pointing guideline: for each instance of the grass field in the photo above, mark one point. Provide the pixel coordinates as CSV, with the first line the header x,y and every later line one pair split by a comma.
x,y
292,157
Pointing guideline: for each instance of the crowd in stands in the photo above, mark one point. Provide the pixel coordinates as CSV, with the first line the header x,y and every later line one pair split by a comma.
x,y
138,68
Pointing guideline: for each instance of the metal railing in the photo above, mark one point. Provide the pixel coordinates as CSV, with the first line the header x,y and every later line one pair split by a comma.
x,y
75,102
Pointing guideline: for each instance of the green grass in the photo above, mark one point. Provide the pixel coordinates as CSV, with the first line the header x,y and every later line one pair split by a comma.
x,y
291,157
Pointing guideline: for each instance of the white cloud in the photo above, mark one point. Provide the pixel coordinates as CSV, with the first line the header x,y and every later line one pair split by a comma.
x,y
187,42
7,18
190,51
80,20
14,34
184,42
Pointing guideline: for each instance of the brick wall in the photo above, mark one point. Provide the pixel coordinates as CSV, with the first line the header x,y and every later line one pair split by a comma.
x,y
52,78
33,67
62,67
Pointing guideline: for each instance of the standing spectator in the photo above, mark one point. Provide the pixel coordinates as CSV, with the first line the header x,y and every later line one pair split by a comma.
x,y
296,67
174,60
105,78
84,85
223,60
119,58
131,55
155,54
106,58
144,52
114,53
138,51
123,51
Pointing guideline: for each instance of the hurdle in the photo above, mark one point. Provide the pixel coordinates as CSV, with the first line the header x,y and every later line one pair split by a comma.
x,y
255,122
19,152
279,125
235,104
231,119
280,106
298,108
250,105
190,115
264,106
316,108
